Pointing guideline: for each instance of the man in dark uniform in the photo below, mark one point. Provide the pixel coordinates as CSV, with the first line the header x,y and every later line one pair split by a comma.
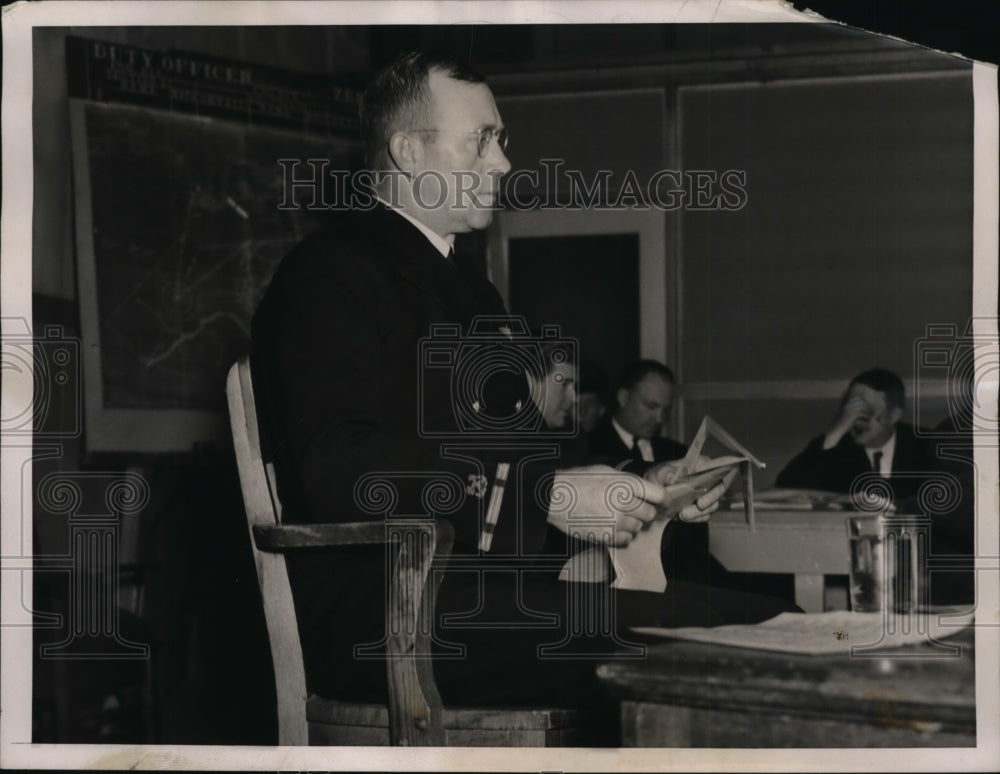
x,y
370,346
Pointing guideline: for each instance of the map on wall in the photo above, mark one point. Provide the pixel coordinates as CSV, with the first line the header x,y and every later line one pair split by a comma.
x,y
181,224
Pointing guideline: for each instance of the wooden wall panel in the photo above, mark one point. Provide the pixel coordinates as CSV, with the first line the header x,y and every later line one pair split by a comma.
x,y
856,232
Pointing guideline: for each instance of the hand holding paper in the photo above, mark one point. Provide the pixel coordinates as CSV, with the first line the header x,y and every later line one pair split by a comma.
x,y
703,485
691,491
599,503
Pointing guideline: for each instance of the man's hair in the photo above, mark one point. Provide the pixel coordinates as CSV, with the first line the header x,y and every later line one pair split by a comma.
x,y
884,381
637,370
397,98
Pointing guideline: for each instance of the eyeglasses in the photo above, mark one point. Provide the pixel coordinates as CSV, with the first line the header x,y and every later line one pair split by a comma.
x,y
483,137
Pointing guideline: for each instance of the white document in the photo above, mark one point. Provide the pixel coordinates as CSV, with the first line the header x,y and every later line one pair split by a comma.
x,y
638,565
824,633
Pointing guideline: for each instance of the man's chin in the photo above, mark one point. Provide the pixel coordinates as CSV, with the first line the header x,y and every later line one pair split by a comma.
x,y
866,440
476,221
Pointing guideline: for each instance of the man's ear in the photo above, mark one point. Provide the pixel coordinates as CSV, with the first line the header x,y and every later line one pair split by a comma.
x,y
404,151
894,415
622,396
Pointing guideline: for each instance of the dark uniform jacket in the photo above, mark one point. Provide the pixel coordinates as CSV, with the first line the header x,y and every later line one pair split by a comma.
x,y
351,384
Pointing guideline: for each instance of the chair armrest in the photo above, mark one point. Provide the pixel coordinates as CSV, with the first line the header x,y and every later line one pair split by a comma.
x,y
277,538
415,709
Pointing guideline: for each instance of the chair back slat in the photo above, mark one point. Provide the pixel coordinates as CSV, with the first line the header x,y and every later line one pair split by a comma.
x,y
272,484
263,508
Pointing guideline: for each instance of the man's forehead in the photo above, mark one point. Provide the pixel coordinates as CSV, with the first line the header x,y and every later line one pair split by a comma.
x,y
653,383
458,102
869,393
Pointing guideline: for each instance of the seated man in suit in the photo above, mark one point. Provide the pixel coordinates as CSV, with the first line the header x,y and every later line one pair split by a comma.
x,y
866,436
644,398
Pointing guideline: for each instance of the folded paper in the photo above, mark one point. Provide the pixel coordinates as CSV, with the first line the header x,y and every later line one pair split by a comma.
x,y
638,565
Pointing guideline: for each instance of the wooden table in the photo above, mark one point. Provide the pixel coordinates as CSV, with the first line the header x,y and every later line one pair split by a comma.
x,y
688,694
806,544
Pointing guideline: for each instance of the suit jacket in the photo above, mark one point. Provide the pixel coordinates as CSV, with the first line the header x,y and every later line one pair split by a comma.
x,y
835,469
346,389
604,445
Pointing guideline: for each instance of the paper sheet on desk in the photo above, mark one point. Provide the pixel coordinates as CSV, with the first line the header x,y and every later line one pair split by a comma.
x,y
822,633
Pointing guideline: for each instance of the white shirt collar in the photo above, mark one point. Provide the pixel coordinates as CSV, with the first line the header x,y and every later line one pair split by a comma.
x,y
644,445
442,244
888,449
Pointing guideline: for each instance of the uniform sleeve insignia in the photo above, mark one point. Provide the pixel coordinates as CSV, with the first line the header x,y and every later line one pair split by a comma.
x,y
477,485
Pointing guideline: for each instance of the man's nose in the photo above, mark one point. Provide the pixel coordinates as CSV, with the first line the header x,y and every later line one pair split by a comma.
x,y
497,162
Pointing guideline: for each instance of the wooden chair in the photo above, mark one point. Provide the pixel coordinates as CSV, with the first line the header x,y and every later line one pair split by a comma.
x,y
414,715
